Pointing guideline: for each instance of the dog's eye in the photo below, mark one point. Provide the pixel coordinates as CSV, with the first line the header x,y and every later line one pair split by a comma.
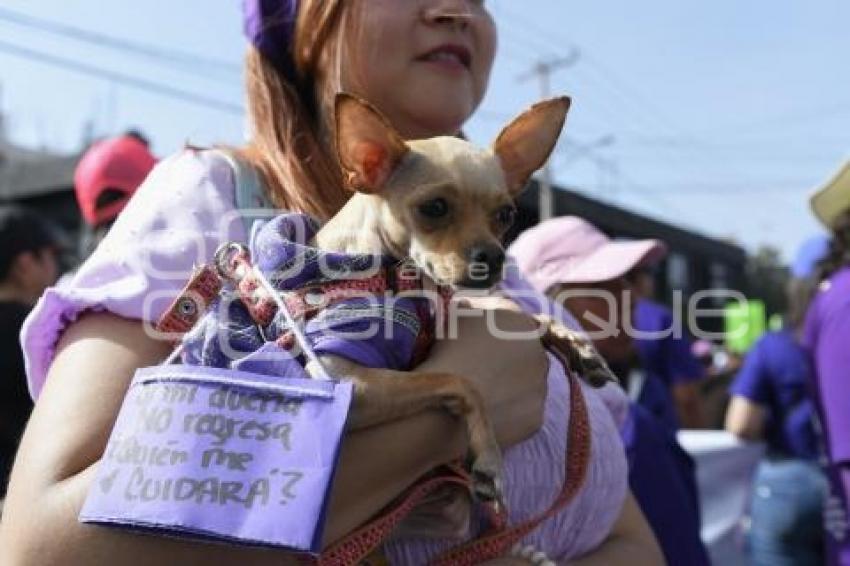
x,y
505,216
434,208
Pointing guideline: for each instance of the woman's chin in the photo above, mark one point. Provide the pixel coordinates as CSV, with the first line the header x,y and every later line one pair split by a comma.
x,y
436,118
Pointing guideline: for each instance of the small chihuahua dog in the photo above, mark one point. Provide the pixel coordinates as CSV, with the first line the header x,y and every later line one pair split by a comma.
x,y
444,204
440,203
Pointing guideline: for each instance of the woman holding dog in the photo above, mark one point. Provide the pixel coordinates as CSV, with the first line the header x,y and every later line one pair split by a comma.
x,y
425,64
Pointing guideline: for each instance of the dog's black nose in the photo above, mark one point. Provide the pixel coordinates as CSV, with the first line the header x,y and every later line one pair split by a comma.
x,y
490,255
493,257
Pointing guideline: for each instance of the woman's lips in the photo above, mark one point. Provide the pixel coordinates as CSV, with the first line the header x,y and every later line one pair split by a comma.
x,y
454,58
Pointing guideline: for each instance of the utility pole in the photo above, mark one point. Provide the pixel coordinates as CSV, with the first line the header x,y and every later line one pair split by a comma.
x,y
543,71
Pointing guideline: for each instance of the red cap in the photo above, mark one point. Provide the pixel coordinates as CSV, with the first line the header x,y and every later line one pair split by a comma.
x,y
120,164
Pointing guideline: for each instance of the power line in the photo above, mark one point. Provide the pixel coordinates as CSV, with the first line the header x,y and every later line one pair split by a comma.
x,y
736,187
650,196
512,55
169,56
609,165
539,33
639,117
645,108
560,41
805,116
531,42
127,80
525,42
639,138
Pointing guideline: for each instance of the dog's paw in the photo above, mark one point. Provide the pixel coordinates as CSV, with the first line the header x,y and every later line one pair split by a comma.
x,y
576,351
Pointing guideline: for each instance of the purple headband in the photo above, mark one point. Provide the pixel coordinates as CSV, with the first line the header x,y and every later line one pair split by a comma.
x,y
270,26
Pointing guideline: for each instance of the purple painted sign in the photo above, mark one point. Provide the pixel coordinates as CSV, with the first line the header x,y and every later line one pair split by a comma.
x,y
222,454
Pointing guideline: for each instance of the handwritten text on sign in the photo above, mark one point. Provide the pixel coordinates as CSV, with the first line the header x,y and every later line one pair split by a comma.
x,y
237,457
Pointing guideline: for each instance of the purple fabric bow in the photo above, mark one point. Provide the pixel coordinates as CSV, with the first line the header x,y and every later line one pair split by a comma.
x,y
270,26
373,331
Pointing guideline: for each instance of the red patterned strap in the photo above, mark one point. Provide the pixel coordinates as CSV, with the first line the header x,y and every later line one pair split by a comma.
x,y
357,546
305,303
192,302
309,300
496,544
205,285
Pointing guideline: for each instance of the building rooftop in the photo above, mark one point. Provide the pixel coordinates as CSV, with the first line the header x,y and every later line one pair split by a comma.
x,y
620,222
26,173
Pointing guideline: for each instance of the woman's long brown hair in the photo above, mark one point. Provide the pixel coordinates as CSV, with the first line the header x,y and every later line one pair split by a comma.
x,y
290,145
838,255
837,258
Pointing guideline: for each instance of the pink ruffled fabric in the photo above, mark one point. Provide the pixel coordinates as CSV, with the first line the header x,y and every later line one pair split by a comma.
x,y
176,220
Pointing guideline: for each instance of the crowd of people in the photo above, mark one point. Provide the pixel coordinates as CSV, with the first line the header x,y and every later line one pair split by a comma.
x,y
107,175
77,340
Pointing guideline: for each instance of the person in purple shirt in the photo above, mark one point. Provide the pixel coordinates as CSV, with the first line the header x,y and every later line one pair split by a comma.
x,y
770,401
664,351
581,268
827,336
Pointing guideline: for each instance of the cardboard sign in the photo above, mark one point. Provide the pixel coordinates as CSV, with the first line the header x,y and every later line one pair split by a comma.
x,y
222,454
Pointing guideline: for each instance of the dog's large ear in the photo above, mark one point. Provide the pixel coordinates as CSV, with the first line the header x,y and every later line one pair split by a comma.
x,y
369,148
526,143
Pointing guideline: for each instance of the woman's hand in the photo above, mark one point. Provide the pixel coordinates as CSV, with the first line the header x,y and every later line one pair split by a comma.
x,y
511,376
497,349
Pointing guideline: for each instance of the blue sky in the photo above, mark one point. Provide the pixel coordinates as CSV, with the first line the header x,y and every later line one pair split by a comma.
x,y
719,116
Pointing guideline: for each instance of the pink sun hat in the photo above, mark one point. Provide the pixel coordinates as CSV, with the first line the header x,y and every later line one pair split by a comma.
x,y
569,249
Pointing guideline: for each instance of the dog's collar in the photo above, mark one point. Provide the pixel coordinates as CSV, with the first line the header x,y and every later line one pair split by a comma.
x,y
305,302
401,278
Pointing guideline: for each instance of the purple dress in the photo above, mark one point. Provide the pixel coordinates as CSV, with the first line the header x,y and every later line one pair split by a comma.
x,y
827,336
178,218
